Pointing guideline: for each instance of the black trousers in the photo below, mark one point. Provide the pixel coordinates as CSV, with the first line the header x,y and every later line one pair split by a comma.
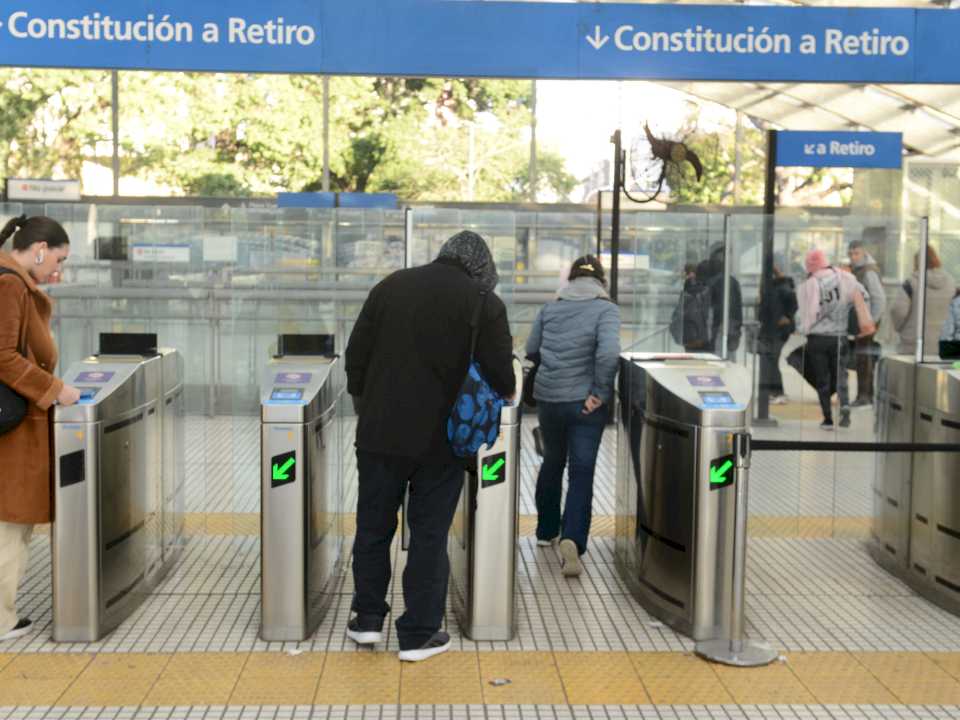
x,y
434,492
825,367
769,349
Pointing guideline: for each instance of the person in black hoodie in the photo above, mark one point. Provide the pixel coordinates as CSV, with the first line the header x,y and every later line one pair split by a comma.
x,y
778,306
406,359
712,272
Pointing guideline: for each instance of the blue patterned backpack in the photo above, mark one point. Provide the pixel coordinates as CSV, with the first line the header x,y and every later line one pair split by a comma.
x,y
475,417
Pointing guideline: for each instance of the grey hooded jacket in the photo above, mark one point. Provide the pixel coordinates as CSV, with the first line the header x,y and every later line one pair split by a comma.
x,y
578,338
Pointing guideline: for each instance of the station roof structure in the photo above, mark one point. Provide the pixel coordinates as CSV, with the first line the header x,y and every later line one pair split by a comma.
x,y
927,115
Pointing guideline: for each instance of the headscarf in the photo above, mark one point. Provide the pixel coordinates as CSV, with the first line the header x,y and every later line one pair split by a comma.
x,y
816,260
470,251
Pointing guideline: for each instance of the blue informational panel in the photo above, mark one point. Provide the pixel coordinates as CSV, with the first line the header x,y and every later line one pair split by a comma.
x,y
306,200
477,38
840,149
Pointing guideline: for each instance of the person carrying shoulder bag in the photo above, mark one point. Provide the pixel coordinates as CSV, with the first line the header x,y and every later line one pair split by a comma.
x,y
32,251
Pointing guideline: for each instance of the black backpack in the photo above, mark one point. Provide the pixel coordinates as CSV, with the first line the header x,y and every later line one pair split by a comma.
x,y
690,324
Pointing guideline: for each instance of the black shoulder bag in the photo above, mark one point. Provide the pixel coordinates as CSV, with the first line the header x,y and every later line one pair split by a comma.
x,y
13,406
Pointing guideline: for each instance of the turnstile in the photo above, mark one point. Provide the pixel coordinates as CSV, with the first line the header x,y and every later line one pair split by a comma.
x,y
677,486
935,510
483,536
301,493
118,487
896,409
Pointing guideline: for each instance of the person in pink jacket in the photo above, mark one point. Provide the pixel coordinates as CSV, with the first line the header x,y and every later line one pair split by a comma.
x,y
825,299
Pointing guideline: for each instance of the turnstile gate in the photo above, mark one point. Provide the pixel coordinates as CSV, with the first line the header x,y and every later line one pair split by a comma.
x,y
118,487
483,537
917,496
301,492
683,454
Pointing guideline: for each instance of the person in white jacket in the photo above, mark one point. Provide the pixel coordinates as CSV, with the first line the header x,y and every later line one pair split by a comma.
x,y
825,299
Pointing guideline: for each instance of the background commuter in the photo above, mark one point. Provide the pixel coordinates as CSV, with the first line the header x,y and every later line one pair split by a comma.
x,y
578,338
712,273
825,299
951,326
28,357
941,288
866,349
691,324
778,305
406,360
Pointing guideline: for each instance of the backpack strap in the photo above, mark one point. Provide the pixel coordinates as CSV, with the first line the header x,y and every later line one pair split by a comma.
x,y
475,324
22,347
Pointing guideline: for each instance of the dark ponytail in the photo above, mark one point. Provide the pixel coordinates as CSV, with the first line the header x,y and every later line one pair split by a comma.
x,y
29,231
587,266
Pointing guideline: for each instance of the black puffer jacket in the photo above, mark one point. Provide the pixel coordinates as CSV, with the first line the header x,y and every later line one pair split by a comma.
x,y
408,356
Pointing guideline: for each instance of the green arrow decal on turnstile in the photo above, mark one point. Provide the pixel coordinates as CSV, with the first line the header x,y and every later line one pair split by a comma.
x,y
721,472
491,469
284,469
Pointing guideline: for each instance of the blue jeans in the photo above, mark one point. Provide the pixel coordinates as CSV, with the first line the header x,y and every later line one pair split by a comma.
x,y
568,434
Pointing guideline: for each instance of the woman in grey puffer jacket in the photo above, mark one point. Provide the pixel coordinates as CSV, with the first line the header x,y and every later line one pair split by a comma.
x,y
578,339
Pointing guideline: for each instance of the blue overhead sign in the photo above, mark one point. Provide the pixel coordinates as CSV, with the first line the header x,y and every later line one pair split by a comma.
x,y
477,38
840,149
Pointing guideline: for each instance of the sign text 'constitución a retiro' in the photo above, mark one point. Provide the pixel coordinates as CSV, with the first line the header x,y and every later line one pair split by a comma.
x,y
158,29
759,41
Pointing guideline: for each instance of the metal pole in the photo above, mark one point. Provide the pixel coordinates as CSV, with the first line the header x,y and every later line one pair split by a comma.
x,y
326,133
115,120
615,216
727,271
534,179
920,293
599,223
766,276
736,649
408,237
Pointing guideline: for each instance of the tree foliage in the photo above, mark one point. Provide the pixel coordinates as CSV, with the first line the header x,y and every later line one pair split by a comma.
x,y
216,134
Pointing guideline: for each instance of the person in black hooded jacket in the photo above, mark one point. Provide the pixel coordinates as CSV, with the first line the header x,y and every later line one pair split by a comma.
x,y
406,359
778,306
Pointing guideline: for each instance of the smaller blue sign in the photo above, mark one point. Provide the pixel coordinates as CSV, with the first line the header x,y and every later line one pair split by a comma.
x,y
386,201
306,199
840,149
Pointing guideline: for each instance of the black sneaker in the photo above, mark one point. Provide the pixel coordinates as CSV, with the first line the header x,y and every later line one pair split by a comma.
x,y
369,631
827,424
439,643
844,418
22,627
862,402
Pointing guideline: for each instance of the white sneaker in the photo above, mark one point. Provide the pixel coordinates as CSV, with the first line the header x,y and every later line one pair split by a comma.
x,y
23,627
548,543
778,400
439,643
361,635
570,558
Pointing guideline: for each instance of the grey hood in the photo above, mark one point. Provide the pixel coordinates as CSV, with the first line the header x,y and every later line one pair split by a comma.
x,y
583,288
937,279
867,262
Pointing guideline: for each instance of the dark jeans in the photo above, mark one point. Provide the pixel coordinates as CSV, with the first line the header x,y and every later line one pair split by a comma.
x,y
434,492
825,367
568,434
771,379
865,358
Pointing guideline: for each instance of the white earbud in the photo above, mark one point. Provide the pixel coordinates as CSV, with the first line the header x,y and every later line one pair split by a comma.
x,y
40,258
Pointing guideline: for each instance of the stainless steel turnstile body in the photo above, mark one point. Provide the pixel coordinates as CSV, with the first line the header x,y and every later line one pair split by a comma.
x,y
483,537
917,495
935,526
896,409
118,486
301,494
675,517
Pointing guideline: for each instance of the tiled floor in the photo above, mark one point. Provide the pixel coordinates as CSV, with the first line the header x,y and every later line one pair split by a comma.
x,y
856,642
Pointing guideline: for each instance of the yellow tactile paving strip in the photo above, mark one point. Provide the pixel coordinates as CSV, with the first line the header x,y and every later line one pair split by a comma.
x,y
248,524
473,678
